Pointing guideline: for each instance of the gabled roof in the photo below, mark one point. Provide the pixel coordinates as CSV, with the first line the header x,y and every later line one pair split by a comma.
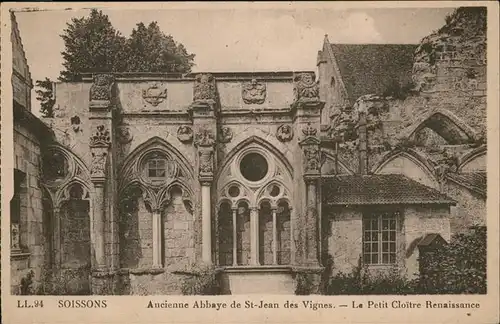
x,y
373,68
475,181
380,189
20,62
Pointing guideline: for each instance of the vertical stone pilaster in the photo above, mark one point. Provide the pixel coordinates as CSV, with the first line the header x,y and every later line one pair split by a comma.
x,y
205,124
102,176
307,108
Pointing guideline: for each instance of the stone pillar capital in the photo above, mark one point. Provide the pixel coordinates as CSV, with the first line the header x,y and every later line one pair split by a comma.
x,y
205,182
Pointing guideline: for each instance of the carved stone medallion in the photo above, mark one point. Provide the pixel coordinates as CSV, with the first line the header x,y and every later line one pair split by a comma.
x,y
185,134
226,135
254,92
284,133
155,94
124,135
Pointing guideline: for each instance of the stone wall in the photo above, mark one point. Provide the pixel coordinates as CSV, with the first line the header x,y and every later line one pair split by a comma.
x,y
32,235
471,209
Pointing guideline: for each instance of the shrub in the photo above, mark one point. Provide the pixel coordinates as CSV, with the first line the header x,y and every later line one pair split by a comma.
x,y
458,268
26,286
202,280
360,282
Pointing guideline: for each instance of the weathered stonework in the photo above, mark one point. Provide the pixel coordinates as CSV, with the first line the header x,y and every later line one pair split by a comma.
x,y
284,133
204,88
154,94
254,92
185,134
166,193
101,88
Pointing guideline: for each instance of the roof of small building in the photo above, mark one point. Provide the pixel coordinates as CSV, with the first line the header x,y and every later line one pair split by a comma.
x,y
424,241
380,189
373,68
475,181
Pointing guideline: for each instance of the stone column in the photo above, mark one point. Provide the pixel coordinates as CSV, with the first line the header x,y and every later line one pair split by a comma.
x,y
98,226
275,237
311,244
235,236
254,236
157,244
206,222
205,170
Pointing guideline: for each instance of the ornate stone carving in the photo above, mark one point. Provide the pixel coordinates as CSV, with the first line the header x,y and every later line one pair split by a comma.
x,y
124,135
226,135
284,133
101,88
305,87
205,162
312,159
185,134
253,92
204,137
445,165
204,88
99,159
309,130
101,138
154,95
14,236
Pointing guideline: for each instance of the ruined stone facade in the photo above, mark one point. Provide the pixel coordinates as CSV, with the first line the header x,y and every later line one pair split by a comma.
x,y
141,176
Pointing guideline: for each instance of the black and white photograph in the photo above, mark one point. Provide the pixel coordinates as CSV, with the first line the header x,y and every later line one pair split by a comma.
x,y
248,151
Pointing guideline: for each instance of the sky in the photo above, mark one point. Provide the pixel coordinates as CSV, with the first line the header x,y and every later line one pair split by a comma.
x,y
238,39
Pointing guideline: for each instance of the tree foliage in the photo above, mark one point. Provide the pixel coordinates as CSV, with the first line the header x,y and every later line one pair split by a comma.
x,y
149,49
45,95
93,45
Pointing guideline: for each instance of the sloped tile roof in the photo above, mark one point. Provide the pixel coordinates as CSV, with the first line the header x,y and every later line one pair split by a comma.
x,y
475,181
373,68
379,189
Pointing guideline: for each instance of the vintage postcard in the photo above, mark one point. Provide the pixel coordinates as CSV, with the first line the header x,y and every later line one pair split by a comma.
x,y
300,162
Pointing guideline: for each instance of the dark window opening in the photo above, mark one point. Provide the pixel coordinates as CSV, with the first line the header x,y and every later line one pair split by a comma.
x,y
254,167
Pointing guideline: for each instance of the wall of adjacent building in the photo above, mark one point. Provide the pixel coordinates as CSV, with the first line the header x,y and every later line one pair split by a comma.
x,y
32,233
345,237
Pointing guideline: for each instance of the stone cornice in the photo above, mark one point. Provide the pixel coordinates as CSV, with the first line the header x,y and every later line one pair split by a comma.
x,y
219,76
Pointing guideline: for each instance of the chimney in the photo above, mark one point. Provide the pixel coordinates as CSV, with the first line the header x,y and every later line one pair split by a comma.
x,y
362,136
